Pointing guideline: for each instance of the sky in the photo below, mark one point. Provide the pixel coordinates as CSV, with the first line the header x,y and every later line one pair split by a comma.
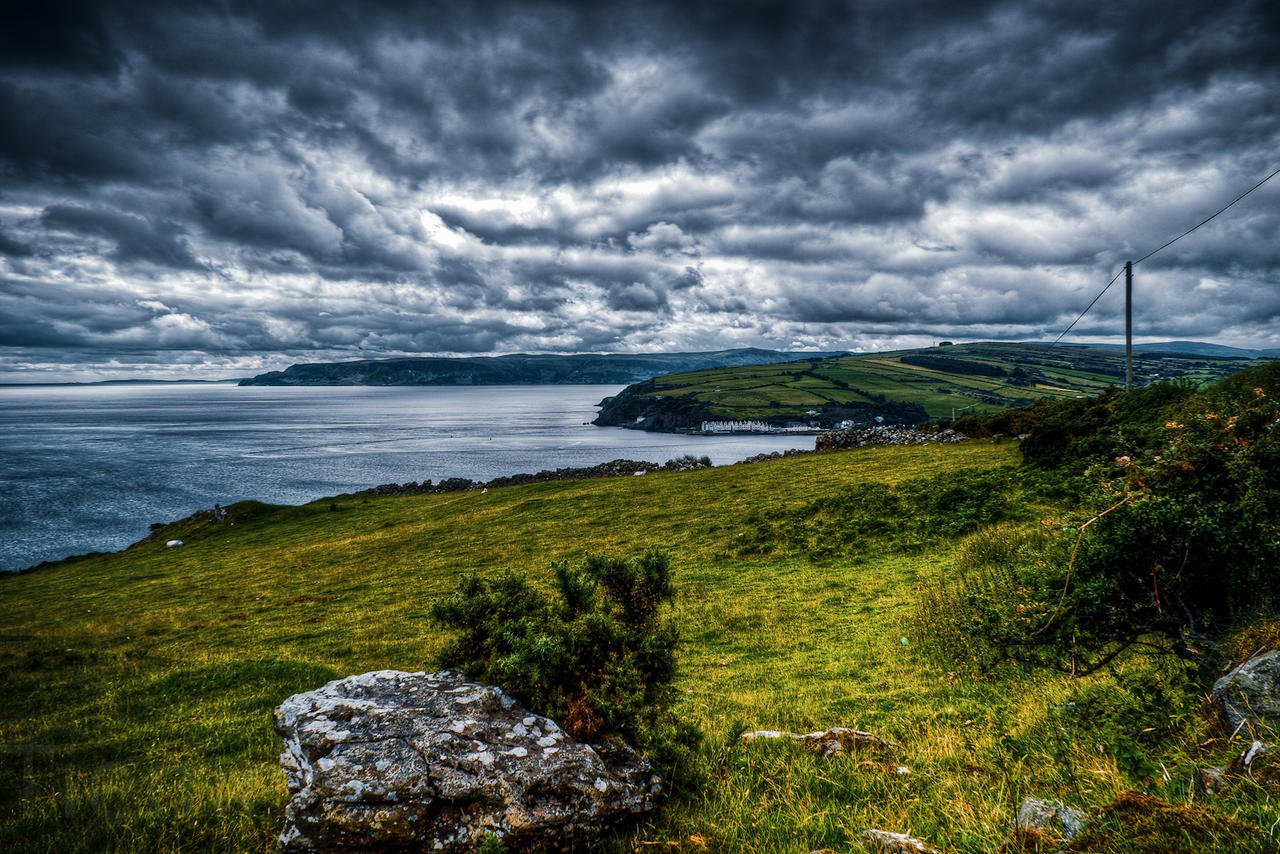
x,y
215,189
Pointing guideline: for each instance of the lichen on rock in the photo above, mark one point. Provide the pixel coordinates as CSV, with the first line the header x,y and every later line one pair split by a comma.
x,y
1250,694
432,762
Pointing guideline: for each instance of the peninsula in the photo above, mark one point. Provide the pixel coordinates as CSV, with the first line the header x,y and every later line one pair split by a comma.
x,y
520,368
898,387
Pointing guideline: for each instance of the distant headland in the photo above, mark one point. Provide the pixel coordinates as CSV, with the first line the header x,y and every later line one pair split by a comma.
x,y
522,368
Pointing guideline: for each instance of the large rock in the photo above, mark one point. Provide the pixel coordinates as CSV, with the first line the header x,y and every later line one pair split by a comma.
x,y
1251,692
430,762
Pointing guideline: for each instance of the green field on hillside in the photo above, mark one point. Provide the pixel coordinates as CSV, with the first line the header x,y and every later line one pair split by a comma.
x,y
138,687
940,380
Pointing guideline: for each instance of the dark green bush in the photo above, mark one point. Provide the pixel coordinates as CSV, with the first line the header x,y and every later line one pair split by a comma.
x,y
595,653
1006,422
1076,432
1195,550
1129,714
1000,590
1082,431
1182,544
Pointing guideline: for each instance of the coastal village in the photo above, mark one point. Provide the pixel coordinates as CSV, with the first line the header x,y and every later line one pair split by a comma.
x,y
717,427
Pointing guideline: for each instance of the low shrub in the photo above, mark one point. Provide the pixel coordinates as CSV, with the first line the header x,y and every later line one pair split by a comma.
x,y
1176,548
1076,433
1192,553
1130,713
596,653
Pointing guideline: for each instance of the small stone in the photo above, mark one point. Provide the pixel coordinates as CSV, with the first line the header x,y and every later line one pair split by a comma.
x,y
1249,695
1215,779
1050,816
173,544
886,842
827,742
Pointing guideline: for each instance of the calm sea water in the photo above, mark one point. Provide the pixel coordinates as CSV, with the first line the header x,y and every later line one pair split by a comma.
x,y
88,468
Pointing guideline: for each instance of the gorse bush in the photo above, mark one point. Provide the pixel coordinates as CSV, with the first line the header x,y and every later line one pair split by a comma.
x,y
1076,433
596,652
1073,434
1194,550
1177,545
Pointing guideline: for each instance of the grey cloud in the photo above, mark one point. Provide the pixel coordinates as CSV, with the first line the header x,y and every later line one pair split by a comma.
x,y
13,247
663,238
135,238
257,206
380,178
58,34
66,135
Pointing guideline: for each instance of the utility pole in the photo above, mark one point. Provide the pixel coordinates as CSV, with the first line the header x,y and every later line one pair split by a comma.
x,y
1128,325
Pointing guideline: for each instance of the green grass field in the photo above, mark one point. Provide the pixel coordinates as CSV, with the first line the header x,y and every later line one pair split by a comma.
x,y
792,388
138,687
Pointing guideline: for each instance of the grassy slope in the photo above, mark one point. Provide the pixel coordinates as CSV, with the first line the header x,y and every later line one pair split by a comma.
x,y
793,387
138,687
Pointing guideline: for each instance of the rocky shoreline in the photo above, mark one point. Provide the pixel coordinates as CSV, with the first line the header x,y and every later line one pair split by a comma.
x,y
613,468
828,441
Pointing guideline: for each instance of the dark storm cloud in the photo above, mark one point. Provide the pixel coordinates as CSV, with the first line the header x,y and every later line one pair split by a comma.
x,y
59,35
135,238
267,181
15,248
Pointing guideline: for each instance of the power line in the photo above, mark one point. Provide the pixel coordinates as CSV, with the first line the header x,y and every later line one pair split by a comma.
x,y
1086,308
1116,277
1202,222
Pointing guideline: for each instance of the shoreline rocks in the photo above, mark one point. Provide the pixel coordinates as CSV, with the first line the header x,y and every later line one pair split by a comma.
x,y
613,468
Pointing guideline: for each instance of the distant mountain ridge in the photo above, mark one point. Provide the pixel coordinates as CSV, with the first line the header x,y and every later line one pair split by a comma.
x,y
521,368
1194,348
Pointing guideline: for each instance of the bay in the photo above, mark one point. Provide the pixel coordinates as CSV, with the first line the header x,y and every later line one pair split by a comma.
x,y
88,468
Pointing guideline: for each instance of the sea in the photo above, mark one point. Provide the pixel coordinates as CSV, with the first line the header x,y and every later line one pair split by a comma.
x,y
88,468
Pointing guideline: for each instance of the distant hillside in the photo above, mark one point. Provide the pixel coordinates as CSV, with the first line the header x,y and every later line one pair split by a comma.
x,y
519,369
1198,348
900,387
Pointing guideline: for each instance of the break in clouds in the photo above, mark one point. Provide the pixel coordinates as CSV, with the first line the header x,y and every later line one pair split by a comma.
x,y
218,188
